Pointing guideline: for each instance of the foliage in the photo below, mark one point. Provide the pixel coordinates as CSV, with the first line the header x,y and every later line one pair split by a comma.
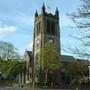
x,y
78,68
8,51
50,56
50,61
10,69
76,71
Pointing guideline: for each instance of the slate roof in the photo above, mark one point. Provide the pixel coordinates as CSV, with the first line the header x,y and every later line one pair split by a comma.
x,y
84,61
66,58
29,53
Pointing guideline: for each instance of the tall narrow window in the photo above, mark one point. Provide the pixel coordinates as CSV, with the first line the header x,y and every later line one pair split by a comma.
x,y
48,27
53,28
38,28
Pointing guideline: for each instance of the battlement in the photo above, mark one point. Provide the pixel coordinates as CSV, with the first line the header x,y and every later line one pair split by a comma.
x,y
45,13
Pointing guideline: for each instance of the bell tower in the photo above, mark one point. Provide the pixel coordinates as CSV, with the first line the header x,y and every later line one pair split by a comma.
x,y
46,29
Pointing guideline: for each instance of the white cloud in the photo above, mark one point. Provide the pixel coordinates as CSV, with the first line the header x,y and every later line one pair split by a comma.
x,y
21,52
30,46
65,21
24,20
6,30
0,23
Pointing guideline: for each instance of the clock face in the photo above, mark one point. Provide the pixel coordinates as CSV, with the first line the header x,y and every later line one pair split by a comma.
x,y
51,40
37,43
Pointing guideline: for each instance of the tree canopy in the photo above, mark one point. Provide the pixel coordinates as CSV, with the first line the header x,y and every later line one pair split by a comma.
x,y
50,56
78,68
8,51
10,69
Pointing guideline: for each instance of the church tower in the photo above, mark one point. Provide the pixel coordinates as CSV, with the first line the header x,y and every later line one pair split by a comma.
x,y
46,29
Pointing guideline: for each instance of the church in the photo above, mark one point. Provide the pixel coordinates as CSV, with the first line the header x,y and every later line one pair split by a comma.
x,y
46,29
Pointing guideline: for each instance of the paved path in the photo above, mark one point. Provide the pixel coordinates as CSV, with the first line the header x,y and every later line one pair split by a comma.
x,y
27,88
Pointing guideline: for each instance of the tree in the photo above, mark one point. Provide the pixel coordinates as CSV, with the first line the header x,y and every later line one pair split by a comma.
x,y
77,70
8,51
10,69
16,68
81,19
50,58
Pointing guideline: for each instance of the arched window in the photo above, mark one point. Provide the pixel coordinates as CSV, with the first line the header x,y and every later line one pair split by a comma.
x,y
51,28
48,27
38,28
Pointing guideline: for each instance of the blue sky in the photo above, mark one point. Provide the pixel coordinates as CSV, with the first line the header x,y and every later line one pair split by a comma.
x,y
17,21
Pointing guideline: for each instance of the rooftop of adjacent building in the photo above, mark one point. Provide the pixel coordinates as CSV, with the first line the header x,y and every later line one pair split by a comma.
x,y
64,58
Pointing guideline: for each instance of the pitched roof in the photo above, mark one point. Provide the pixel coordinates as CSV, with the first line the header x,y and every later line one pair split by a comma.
x,y
84,61
29,53
66,58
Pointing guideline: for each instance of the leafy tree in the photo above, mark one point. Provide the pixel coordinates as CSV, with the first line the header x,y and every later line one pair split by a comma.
x,y
10,69
8,51
50,58
77,70
16,68
81,19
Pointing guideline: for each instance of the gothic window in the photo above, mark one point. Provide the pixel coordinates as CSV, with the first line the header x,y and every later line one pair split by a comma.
x,y
53,28
39,24
28,74
36,56
48,27
37,59
38,28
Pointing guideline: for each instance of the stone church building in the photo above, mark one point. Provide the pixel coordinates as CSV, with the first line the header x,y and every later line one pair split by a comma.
x,y
46,29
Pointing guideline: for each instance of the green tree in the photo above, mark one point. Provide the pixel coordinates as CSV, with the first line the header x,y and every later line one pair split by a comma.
x,y
16,68
10,69
77,70
8,51
50,58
